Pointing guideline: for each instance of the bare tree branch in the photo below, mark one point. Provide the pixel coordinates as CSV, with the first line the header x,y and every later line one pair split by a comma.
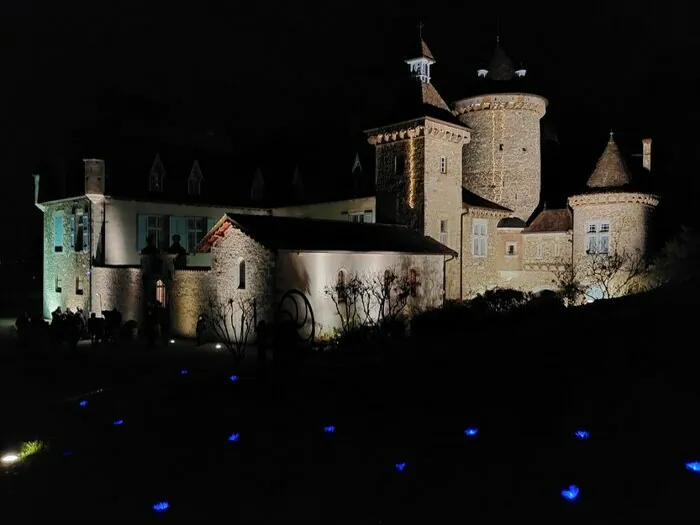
x,y
232,322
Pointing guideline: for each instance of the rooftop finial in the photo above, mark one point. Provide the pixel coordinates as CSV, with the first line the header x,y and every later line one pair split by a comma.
x,y
498,32
611,135
420,29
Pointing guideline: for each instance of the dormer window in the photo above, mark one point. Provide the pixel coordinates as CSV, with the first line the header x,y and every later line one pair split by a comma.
x,y
155,182
194,186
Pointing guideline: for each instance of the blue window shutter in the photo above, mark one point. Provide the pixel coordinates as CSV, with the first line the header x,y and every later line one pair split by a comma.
x,y
86,233
182,230
72,232
173,229
142,232
58,231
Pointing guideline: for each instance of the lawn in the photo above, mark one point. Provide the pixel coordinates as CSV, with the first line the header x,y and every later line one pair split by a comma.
x,y
262,451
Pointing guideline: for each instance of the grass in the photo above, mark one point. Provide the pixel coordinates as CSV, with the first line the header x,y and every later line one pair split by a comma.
x,y
172,444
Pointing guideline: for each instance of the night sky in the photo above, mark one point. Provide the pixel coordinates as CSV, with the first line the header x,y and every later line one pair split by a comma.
x,y
261,80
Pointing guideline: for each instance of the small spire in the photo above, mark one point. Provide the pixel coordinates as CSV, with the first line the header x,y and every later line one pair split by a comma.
x,y
611,136
420,29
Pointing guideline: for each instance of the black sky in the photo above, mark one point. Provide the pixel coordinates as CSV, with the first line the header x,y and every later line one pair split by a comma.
x,y
252,76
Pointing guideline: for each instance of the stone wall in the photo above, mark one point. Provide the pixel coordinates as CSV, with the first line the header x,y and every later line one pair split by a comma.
x,y
66,274
479,273
400,195
443,196
311,273
502,163
189,297
546,249
224,284
629,216
120,288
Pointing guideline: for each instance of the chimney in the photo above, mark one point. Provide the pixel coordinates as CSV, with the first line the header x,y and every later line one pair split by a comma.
x,y
94,176
646,154
37,179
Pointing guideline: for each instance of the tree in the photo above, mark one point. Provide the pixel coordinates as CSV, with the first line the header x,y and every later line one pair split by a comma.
x,y
232,321
602,276
679,260
369,300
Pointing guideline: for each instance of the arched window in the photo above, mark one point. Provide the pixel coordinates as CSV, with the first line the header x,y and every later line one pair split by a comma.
x,y
241,274
160,292
413,282
340,287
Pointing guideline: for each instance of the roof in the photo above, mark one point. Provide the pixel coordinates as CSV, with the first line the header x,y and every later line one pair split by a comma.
x,y
547,221
501,67
313,235
611,171
422,52
511,222
472,199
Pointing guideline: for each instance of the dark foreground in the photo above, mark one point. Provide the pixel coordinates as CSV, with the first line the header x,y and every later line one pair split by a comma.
x,y
173,444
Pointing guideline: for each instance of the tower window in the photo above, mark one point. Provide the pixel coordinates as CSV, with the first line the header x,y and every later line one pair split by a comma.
x,y
399,164
59,284
479,238
241,275
79,283
443,165
511,249
413,282
500,147
598,238
443,232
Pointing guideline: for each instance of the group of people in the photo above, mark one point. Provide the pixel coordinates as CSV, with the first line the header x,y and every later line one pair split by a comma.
x,y
70,327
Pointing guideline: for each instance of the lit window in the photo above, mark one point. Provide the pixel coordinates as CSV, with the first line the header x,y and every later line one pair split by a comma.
x,y
85,232
59,284
479,238
539,250
443,232
598,238
72,232
443,165
160,292
79,283
241,275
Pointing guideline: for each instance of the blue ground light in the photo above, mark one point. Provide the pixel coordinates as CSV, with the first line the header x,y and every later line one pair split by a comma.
x,y
400,467
693,466
83,403
234,378
329,429
471,432
183,372
571,493
234,437
582,434
161,506
118,422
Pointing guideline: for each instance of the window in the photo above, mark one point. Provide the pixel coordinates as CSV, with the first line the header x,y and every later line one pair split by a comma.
x,y
154,227
160,292
510,249
443,165
155,182
368,215
194,186
539,250
241,275
557,250
443,231
479,238
79,285
413,282
598,238
71,229
340,286
500,147
59,283
399,164
84,220
196,230
356,216
58,232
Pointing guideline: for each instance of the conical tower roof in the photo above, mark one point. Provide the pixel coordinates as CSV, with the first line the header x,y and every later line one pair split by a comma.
x,y
612,170
501,67
422,51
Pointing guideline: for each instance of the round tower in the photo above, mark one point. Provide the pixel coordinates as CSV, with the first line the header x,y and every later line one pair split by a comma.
x,y
502,163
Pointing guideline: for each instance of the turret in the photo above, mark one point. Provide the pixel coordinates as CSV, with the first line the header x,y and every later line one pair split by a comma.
x,y
503,163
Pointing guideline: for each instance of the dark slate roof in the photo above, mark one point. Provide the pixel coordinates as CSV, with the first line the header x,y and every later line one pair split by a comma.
x,y
501,66
421,52
472,199
555,220
313,235
511,222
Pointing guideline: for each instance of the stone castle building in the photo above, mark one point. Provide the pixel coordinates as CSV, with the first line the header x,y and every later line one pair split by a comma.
x,y
455,206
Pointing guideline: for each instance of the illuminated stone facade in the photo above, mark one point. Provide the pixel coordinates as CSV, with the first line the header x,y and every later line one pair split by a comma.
x,y
468,177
